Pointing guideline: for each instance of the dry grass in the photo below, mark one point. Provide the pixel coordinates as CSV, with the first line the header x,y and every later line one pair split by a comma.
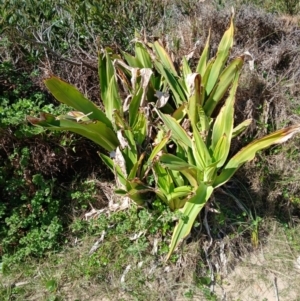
x,y
74,275
269,273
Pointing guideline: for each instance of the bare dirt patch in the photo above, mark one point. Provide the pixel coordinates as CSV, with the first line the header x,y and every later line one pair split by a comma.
x,y
271,273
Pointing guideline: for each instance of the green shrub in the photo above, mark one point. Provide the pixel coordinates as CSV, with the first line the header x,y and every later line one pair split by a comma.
x,y
19,98
31,215
30,210
291,7
64,24
185,176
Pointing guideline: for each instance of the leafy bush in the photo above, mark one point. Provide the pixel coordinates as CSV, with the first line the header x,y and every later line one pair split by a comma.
x,y
291,7
30,210
62,25
18,98
33,215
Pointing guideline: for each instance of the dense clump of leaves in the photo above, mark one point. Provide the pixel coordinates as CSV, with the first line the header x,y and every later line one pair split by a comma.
x,y
30,222
20,97
62,24
32,169
33,215
145,166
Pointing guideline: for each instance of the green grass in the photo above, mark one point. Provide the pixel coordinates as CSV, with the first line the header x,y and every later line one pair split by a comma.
x,y
75,274
291,7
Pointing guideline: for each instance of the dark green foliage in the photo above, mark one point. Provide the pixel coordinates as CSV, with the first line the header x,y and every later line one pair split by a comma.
x,y
30,209
63,24
31,205
113,22
35,210
18,98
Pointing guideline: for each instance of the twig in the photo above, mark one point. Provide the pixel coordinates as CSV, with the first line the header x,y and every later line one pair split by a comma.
x,y
206,248
124,274
206,224
276,288
46,47
15,284
96,245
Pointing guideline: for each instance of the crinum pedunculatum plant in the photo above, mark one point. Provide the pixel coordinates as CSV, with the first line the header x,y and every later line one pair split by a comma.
x,y
163,107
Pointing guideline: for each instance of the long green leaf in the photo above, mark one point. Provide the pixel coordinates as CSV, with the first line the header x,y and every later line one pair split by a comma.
x,y
220,150
241,127
174,84
221,57
175,163
222,129
248,153
200,150
140,128
201,67
132,61
134,106
130,151
108,85
69,95
190,211
186,70
136,167
178,133
194,83
143,55
112,100
159,147
205,77
164,57
203,120
96,131
224,82
204,80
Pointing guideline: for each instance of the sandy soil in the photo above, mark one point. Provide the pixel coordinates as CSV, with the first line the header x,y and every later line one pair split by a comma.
x,y
272,273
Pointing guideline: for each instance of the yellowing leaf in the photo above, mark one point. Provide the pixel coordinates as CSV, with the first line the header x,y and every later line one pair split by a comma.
x,y
201,67
96,131
69,95
164,57
248,152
